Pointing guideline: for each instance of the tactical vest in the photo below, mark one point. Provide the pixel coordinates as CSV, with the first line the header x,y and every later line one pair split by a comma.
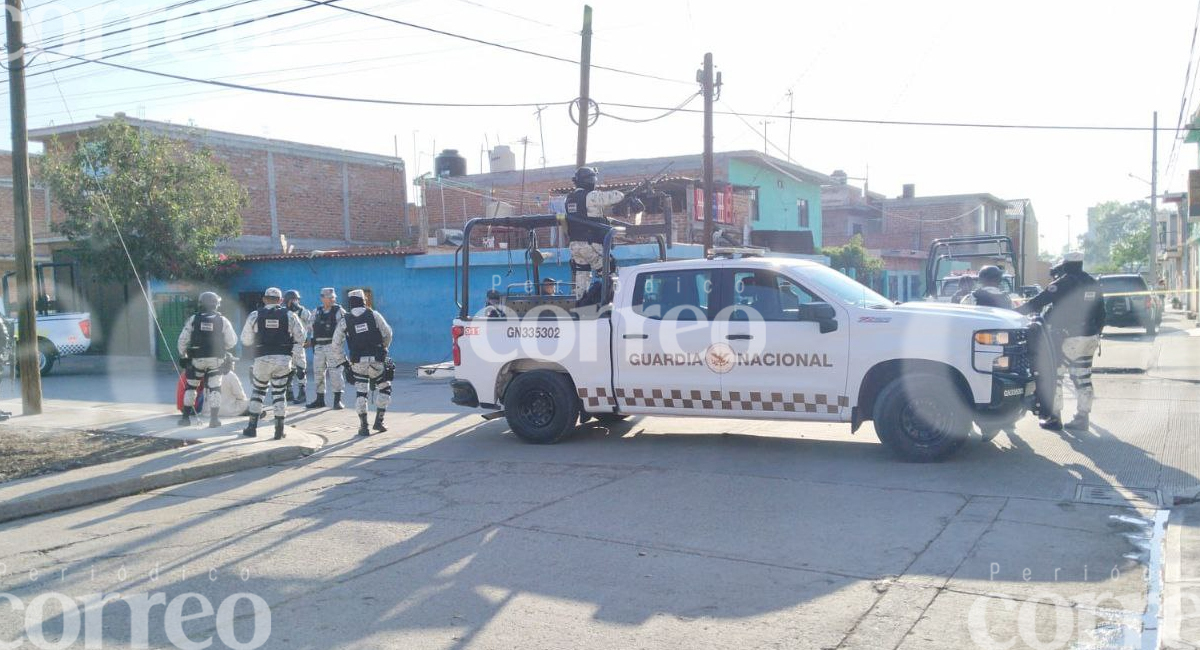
x,y
985,298
208,340
363,336
576,206
273,335
324,323
1078,305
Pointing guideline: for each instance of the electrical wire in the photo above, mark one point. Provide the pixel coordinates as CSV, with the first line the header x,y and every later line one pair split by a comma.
x,y
670,111
121,238
502,46
290,93
1188,80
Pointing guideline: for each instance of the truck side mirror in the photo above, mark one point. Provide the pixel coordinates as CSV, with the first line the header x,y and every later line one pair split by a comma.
x,y
821,313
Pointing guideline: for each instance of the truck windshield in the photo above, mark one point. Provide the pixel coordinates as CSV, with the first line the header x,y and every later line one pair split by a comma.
x,y
845,288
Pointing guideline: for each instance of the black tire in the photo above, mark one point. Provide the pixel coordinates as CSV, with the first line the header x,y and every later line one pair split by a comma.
x,y
921,417
46,357
541,406
610,418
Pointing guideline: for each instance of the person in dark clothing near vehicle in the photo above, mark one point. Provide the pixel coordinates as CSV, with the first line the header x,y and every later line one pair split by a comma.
x,y
366,335
1074,321
587,245
990,294
966,284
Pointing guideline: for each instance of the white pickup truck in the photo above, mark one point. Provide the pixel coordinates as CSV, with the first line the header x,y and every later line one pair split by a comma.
x,y
748,337
61,331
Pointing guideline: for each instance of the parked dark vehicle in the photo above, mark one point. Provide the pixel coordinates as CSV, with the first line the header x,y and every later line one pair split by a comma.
x,y
1140,310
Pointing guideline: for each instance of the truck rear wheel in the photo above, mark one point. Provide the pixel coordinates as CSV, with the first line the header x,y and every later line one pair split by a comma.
x,y
541,406
921,417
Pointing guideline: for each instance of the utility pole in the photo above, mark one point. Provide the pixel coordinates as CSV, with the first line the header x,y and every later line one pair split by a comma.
x,y
585,71
708,87
1153,280
27,351
765,124
524,150
791,107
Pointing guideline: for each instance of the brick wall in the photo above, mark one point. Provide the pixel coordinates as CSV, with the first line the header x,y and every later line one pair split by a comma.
x,y
309,191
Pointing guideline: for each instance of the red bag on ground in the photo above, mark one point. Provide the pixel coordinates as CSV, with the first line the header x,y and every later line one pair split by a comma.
x,y
181,388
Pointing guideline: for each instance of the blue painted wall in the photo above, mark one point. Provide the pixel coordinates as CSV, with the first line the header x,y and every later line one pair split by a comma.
x,y
777,196
415,293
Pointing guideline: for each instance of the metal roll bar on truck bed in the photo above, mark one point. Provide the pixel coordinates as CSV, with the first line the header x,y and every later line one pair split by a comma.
x,y
530,222
992,247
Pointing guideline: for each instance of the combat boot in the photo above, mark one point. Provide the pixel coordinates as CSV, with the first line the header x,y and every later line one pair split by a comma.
x,y
301,397
318,403
1080,423
214,419
279,434
362,425
251,429
185,419
379,421
1052,423
337,400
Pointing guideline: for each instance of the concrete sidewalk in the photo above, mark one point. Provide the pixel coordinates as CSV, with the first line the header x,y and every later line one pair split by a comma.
x,y
214,452
1181,591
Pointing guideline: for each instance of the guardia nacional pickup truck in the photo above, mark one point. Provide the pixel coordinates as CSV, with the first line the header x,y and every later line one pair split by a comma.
x,y
742,337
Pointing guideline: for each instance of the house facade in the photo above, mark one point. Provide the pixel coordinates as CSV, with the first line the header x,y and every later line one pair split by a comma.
x,y
754,193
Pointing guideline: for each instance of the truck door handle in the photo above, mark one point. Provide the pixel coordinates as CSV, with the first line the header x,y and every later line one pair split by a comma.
x,y
738,337
635,336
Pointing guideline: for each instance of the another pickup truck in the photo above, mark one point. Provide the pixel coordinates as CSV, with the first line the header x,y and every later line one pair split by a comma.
x,y
62,331
746,337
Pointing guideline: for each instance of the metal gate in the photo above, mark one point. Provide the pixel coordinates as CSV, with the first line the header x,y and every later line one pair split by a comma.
x,y
172,310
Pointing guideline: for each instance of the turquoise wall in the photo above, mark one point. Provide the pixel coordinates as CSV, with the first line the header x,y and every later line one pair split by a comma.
x,y
777,196
415,293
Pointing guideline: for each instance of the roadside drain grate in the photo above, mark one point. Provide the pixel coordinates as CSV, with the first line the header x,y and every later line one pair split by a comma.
x,y
1110,495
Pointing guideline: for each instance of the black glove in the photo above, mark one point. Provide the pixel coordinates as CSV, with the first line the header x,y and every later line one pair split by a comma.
x,y
389,370
185,363
347,372
227,365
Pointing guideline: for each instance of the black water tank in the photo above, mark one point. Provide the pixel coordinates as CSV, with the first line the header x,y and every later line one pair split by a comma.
x,y
449,163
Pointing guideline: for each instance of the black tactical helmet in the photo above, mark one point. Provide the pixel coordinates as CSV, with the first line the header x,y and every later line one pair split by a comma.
x,y
991,275
209,301
290,295
492,294
585,177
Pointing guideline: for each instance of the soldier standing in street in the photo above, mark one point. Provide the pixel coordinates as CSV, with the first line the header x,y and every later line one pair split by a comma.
x,y
322,324
291,300
1075,320
204,346
367,335
273,332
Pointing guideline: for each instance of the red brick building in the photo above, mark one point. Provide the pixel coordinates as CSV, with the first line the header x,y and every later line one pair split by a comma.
x,y
310,197
301,198
900,230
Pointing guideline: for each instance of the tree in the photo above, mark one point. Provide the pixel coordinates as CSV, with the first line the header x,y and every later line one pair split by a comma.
x,y
169,202
1118,236
853,255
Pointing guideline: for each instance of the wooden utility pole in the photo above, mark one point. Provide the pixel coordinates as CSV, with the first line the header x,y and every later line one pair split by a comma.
x,y
706,88
1153,279
585,71
27,349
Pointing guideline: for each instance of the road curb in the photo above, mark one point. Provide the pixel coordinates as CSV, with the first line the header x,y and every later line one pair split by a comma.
x,y
93,491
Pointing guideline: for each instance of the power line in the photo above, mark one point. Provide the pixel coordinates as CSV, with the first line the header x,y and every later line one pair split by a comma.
x,y
81,34
289,93
668,112
510,48
1188,79
848,120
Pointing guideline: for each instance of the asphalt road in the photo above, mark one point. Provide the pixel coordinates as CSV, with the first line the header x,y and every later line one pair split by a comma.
x,y
446,532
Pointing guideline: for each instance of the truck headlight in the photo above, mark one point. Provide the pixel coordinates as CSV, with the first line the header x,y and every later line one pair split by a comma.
x,y
991,338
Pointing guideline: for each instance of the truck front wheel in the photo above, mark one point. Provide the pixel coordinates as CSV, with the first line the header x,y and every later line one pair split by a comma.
x,y
541,406
921,417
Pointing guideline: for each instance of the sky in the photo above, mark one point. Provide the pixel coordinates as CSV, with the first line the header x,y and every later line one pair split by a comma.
x,y
1063,63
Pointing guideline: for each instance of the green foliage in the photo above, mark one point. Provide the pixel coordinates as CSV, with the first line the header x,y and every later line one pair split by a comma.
x,y
853,255
1118,237
170,202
